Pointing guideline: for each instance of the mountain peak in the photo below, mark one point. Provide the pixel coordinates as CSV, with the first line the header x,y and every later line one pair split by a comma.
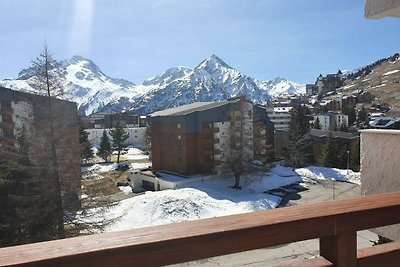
x,y
84,63
213,62
79,58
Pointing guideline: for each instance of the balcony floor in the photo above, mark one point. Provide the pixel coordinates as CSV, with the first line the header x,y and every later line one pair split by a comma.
x,y
276,255
319,192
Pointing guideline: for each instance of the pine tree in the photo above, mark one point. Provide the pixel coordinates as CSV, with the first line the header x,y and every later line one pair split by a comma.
x,y
26,202
328,154
119,136
105,149
317,124
355,155
343,128
299,150
84,145
362,118
351,113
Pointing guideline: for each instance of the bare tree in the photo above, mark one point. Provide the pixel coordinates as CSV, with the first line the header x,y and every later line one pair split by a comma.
x,y
46,82
236,142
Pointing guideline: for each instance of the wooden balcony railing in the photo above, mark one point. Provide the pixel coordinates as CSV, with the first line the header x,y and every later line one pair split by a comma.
x,y
335,223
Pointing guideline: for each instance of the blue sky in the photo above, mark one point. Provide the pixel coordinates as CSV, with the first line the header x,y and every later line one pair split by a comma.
x,y
135,40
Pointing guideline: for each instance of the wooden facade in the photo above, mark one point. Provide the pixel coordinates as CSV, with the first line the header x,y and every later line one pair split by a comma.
x,y
189,141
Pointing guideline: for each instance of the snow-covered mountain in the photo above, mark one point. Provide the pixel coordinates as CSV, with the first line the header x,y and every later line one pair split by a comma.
x,y
211,80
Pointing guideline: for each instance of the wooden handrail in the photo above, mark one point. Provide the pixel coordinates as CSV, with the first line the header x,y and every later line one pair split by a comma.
x,y
334,222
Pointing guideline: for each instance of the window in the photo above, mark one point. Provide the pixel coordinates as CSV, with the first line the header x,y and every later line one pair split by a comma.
x,y
178,125
179,137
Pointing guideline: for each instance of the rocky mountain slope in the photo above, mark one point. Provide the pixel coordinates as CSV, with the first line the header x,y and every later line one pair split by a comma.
x,y
211,80
382,79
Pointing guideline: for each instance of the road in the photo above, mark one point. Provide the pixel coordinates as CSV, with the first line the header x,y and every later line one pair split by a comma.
x,y
318,192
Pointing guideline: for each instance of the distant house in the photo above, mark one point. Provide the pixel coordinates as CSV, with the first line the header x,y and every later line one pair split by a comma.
x,y
195,138
332,121
342,138
108,119
28,112
340,103
137,136
325,84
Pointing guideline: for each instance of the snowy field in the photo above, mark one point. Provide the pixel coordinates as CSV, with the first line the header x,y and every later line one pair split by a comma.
x,y
215,198
132,154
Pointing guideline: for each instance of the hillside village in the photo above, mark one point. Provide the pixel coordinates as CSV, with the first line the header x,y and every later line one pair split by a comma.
x,y
203,165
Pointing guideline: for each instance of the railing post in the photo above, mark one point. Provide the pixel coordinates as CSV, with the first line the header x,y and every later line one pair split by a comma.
x,y
340,249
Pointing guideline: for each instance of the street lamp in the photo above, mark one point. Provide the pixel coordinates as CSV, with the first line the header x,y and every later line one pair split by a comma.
x,y
333,188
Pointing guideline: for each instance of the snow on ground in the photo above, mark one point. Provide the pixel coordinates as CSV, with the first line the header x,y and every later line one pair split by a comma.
x,y
101,167
134,153
213,198
323,173
126,189
138,166
390,72
169,206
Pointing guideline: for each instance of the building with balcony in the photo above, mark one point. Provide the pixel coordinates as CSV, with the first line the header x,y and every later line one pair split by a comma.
x,y
280,116
109,118
196,138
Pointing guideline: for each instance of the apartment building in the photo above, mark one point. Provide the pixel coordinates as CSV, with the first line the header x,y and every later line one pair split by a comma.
x,y
280,116
28,112
137,136
109,118
332,121
196,138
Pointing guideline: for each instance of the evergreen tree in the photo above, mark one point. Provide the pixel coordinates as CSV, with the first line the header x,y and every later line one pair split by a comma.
x,y
342,156
84,145
26,200
105,149
299,150
328,153
362,118
119,136
355,155
317,124
343,128
351,113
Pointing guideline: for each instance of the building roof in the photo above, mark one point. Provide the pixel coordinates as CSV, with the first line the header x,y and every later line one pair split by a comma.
x,y
384,122
335,134
189,108
375,9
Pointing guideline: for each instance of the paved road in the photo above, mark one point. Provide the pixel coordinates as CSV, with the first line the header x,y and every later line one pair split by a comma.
x,y
318,192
